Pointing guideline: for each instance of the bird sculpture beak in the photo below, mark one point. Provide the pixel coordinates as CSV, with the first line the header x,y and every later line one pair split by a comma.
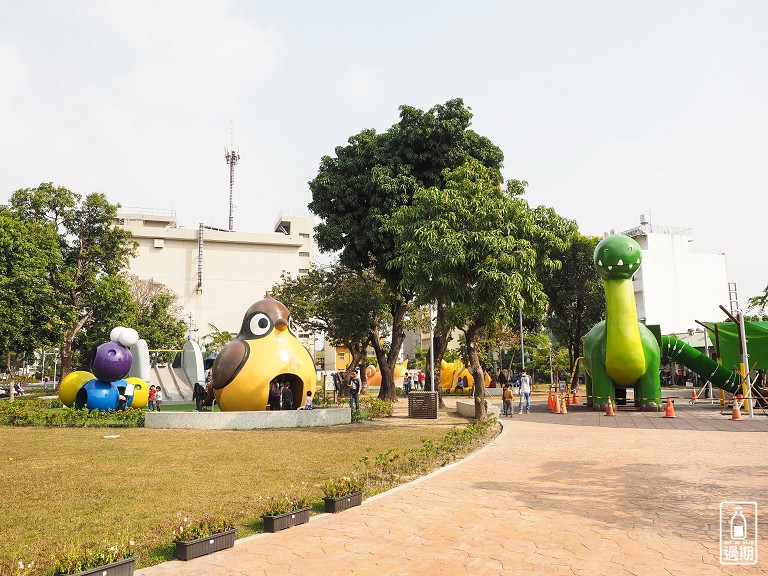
x,y
281,325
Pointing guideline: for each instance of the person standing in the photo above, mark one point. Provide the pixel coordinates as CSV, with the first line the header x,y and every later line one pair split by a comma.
x,y
158,398
308,402
354,391
274,395
287,397
422,378
508,397
151,402
525,392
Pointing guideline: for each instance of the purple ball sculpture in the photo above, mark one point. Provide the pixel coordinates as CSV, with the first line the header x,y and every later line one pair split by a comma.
x,y
111,362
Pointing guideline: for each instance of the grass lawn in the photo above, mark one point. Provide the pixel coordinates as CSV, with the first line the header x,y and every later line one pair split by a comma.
x,y
73,484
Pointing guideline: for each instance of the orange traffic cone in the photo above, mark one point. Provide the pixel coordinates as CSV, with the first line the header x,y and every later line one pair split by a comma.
x,y
556,405
609,410
736,414
670,413
564,408
575,399
693,396
568,399
550,402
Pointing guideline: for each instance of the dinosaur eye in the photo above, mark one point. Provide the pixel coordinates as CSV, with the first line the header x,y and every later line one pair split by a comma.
x,y
260,325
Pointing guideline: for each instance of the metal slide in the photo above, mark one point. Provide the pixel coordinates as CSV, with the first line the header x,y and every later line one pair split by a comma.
x,y
707,368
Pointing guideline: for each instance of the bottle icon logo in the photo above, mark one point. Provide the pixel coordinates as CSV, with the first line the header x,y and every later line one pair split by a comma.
x,y
738,525
738,533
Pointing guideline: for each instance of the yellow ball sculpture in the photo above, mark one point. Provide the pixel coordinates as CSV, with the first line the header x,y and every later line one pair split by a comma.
x,y
70,384
265,349
140,392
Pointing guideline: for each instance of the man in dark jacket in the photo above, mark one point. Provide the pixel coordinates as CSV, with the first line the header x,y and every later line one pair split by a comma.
x,y
354,391
287,395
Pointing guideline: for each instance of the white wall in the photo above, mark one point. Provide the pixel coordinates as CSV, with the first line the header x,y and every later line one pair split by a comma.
x,y
675,286
238,268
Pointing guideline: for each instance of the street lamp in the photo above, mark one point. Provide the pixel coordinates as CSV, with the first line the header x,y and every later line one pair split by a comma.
x,y
55,364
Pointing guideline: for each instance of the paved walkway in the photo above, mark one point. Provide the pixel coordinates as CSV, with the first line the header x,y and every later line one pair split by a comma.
x,y
542,498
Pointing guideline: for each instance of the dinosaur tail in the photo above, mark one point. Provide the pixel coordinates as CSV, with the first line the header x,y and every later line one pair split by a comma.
x,y
707,368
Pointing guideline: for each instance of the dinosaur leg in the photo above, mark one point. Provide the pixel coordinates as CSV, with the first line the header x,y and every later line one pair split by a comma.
x,y
649,384
602,387
650,392
588,387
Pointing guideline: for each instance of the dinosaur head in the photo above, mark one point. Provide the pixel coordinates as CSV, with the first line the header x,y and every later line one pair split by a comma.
x,y
617,257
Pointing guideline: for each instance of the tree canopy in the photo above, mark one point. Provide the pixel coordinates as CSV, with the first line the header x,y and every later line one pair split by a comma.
x,y
357,191
478,246
575,292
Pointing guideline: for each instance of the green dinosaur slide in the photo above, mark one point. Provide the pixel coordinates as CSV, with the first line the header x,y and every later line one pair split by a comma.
x,y
707,368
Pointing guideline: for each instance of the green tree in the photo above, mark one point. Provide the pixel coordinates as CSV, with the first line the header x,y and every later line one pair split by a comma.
x,y
149,307
356,192
27,252
576,297
91,251
759,303
478,245
216,339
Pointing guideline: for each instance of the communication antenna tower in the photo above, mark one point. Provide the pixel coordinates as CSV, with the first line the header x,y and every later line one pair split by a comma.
x,y
232,155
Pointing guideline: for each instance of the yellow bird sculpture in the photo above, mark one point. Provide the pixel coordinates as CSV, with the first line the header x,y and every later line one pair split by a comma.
x,y
265,349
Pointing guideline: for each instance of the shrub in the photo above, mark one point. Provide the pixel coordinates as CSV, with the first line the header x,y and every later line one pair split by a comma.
x,y
79,558
187,528
376,408
338,487
276,505
392,466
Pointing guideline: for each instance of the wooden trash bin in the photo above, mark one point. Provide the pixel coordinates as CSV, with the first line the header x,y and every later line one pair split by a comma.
x,y
422,404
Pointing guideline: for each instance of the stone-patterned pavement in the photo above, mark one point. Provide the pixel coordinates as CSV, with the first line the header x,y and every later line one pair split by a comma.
x,y
602,498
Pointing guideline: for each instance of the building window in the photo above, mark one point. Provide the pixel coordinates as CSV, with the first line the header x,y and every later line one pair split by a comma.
x,y
303,270
341,356
303,235
304,254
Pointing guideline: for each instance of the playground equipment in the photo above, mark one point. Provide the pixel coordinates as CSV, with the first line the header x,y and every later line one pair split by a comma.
x,y
450,372
265,349
103,386
620,352
373,374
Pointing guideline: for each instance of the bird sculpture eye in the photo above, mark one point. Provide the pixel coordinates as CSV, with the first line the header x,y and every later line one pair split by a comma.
x,y
261,325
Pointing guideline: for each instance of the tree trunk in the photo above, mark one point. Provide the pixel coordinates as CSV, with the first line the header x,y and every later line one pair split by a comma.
x,y
67,358
381,359
359,353
387,367
439,346
476,369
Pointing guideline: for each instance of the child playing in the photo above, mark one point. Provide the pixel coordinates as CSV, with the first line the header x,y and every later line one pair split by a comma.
x,y
308,402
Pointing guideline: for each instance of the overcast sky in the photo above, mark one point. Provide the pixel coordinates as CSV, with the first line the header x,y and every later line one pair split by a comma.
x,y
609,109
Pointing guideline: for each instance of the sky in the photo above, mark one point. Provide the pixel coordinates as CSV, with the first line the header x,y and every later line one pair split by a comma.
x,y
608,109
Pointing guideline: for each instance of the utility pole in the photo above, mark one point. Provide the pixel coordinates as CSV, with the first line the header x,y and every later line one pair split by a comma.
x,y
232,156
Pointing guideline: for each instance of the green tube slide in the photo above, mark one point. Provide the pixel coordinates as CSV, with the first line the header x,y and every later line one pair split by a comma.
x,y
707,368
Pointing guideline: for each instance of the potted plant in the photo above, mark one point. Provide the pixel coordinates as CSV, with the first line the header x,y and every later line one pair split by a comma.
x,y
281,512
343,493
196,537
104,560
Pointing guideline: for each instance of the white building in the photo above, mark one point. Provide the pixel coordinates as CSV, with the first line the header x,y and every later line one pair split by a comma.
x,y
674,286
218,274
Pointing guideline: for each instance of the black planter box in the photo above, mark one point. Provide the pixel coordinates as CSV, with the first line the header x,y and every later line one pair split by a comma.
x,y
121,568
283,521
333,505
202,546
